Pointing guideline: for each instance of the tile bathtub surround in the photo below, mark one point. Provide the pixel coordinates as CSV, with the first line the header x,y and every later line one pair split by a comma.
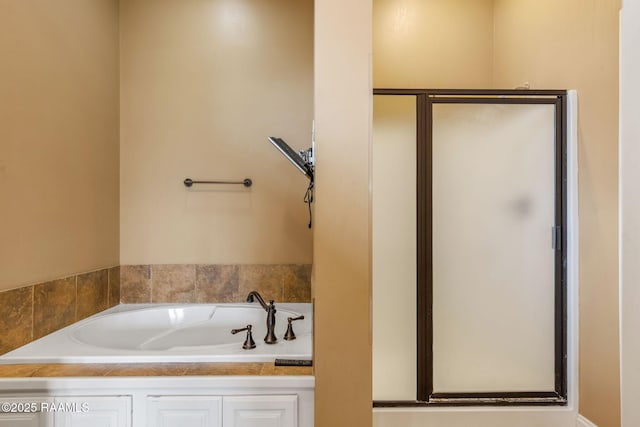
x,y
135,284
16,318
93,293
54,306
33,311
297,283
173,283
114,286
218,283
206,283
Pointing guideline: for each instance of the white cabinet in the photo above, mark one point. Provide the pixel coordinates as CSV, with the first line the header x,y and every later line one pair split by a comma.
x,y
161,411
260,411
25,420
227,411
190,401
184,411
24,412
77,411
93,411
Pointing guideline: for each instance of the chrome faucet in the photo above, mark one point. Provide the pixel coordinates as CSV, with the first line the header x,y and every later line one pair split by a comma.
x,y
270,308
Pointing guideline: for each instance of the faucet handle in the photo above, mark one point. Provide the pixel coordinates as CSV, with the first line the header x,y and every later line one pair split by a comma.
x,y
249,343
290,335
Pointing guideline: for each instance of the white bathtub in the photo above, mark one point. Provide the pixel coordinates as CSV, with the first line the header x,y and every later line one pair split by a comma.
x,y
171,333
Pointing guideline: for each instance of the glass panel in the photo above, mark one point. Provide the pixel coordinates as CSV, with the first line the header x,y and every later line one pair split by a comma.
x,y
394,247
493,263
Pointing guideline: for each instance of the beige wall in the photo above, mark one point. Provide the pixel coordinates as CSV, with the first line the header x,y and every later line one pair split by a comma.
x,y
432,43
58,138
574,44
203,83
342,236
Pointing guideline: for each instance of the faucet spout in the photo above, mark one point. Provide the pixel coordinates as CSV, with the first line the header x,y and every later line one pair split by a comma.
x,y
254,295
270,308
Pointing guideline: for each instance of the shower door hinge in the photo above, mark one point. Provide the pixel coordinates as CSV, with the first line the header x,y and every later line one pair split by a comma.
x,y
556,237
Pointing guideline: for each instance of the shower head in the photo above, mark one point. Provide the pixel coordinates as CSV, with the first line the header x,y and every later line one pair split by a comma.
x,y
298,160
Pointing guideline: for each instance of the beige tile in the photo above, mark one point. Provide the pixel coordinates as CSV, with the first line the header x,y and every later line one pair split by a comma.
x,y
271,369
297,282
73,370
217,283
93,293
267,279
54,306
173,283
135,284
16,318
114,286
224,368
8,371
148,370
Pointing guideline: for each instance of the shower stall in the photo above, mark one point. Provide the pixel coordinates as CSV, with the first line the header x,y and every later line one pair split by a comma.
x,y
474,212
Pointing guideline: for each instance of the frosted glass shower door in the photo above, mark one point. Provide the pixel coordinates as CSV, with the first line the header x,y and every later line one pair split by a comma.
x,y
470,242
493,272
394,247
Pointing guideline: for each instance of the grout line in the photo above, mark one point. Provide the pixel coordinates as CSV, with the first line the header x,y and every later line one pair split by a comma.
x,y
282,269
106,300
150,283
195,283
75,315
108,287
33,312
120,277
119,284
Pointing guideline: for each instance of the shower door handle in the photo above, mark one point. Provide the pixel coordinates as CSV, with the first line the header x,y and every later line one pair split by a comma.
x,y
556,237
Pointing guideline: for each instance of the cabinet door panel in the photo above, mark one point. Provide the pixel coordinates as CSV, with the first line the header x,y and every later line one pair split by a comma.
x,y
94,411
260,411
184,411
25,419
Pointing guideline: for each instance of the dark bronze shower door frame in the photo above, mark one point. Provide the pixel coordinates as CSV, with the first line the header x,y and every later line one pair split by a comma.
x,y
425,395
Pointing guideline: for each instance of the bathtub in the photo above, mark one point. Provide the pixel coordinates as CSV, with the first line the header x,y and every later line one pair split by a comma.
x,y
132,333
